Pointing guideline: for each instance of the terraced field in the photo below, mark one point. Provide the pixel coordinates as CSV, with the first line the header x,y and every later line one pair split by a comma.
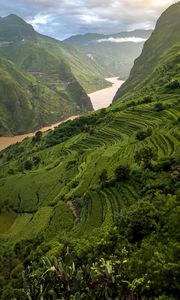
x,y
71,169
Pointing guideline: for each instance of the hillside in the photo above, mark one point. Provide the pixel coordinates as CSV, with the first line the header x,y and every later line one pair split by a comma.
x,y
13,28
49,93
159,43
90,210
14,32
113,52
27,104
89,73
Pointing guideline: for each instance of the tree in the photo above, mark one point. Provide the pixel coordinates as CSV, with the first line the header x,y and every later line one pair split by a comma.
x,y
145,155
159,106
103,176
122,172
37,137
28,165
142,134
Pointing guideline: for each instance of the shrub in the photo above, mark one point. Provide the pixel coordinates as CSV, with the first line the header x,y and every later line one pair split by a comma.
x,y
36,160
103,176
122,172
146,100
159,106
142,134
28,165
145,155
174,84
37,137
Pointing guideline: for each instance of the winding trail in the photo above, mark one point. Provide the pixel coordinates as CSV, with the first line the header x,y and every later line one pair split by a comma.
x,y
100,99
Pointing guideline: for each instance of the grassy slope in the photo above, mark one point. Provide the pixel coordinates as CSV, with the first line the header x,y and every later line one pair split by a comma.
x,y
160,41
117,58
72,158
79,63
28,103
71,169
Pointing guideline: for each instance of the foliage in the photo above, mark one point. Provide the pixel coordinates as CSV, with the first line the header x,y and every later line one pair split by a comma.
x,y
141,135
122,172
145,155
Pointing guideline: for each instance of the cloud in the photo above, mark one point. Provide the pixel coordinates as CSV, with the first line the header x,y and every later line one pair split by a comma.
x,y
62,18
132,39
39,20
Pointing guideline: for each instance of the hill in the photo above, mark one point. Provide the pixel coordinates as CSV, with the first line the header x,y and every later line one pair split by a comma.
x,y
13,28
91,209
49,93
158,44
15,31
27,103
115,52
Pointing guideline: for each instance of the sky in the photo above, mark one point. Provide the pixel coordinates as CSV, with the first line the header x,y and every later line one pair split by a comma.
x,y
63,18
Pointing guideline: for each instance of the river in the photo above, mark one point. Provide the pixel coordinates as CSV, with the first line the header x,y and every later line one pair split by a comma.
x,y
100,99
103,98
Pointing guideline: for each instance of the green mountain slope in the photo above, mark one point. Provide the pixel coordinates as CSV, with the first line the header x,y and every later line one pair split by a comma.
x,y
89,73
13,28
107,50
51,92
26,104
102,192
14,31
159,43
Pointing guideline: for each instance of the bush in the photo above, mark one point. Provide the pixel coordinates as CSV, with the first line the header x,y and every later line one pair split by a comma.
x,y
36,160
142,134
137,221
146,100
28,165
37,137
145,155
174,84
103,176
122,172
159,106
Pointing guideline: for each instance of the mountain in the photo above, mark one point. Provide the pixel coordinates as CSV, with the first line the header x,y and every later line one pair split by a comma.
x,y
14,30
158,45
27,104
115,52
90,210
50,92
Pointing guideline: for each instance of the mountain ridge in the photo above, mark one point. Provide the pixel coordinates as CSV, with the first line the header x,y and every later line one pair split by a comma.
x,y
90,210
117,58
159,42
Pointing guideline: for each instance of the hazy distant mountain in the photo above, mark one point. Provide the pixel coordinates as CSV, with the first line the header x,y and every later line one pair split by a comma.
x,y
116,52
89,74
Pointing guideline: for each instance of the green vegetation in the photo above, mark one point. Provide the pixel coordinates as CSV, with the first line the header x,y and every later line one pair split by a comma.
x,y
116,58
27,103
149,66
42,80
96,216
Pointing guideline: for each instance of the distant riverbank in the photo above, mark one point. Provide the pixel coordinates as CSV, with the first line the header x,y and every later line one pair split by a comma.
x,y
100,99
103,98
6,141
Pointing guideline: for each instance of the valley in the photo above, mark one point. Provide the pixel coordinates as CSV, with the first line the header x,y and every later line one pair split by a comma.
x,y
100,99
91,209
103,98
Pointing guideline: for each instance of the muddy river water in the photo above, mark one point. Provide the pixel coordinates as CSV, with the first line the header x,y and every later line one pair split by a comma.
x,y
100,99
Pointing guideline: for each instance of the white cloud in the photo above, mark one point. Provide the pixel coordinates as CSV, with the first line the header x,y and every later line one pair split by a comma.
x,y
82,16
39,20
132,39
